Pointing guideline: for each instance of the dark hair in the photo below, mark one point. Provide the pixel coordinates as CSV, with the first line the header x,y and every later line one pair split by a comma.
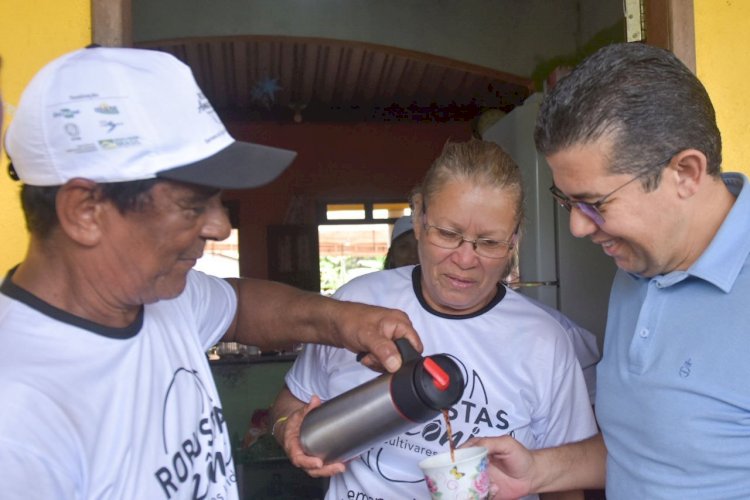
x,y
643,98
402,252
481,162
39,202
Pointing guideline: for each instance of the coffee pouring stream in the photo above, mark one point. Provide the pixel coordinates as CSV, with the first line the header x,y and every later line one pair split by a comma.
x,y
388,405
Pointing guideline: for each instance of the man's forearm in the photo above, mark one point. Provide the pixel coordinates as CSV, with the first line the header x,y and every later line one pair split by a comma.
x,y
580,465
272,315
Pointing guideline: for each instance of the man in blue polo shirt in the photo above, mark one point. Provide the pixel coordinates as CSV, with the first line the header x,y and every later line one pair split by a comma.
x,y
635,153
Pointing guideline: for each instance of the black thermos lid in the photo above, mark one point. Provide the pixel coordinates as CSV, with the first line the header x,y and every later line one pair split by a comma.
x,y
415,393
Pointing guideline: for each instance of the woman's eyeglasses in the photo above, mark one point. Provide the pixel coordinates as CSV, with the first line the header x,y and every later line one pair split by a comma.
x,y
485,247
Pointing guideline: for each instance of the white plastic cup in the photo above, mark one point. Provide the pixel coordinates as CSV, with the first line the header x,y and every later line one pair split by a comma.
x,y
467,477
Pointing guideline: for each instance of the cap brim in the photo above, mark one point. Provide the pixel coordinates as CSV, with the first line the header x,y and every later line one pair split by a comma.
x,y
240,165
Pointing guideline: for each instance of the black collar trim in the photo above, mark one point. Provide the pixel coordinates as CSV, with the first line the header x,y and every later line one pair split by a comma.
x,y
416,281
16,292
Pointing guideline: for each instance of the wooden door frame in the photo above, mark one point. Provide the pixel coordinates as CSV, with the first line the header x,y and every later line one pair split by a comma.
x,y
671,24
112,23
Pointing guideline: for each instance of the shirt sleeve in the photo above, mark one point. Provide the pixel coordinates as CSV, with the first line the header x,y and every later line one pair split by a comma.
x,y
569,416
213,301
587,352
308,376
326,371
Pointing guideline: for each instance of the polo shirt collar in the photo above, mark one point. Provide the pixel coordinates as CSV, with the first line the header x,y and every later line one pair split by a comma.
x,y
723,259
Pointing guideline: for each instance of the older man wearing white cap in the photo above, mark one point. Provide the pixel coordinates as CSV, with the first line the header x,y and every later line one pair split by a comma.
x,y
105,385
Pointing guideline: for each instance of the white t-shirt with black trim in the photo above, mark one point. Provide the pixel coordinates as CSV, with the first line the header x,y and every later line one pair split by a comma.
x,y
522,378
116,413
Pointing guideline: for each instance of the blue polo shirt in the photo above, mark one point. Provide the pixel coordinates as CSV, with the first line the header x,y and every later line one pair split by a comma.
x,y
673,397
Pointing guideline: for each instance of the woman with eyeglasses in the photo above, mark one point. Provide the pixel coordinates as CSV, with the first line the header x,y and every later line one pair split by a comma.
x,y
522,377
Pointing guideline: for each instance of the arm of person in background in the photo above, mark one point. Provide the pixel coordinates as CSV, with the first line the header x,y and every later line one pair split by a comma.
x,y
271,314
584,344
516,471
287,414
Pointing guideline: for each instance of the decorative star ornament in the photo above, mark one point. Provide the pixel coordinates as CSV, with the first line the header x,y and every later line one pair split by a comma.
x,y
264,91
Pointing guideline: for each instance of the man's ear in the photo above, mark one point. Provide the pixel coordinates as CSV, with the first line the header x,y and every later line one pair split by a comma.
x,y
79,209
689,169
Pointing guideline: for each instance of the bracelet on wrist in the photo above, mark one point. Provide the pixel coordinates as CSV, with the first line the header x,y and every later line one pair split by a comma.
x,y
278,421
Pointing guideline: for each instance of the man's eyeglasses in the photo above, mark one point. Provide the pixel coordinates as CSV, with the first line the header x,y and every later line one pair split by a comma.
x,y
591,210
485,247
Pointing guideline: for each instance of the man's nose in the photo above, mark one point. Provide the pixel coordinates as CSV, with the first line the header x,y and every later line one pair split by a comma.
x,y
581,225
217,226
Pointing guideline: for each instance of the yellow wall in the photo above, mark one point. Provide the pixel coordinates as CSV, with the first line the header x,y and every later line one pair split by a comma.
x,y
721,44
32,33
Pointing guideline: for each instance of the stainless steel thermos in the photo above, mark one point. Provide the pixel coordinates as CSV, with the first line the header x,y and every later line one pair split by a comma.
x,y
386,406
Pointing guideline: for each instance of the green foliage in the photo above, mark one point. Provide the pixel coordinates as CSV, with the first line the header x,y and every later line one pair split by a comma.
x,y
337,270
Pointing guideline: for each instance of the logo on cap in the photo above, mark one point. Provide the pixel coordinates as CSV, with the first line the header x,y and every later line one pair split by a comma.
x,y
73,131
66,113
109,125
106,109
119,142
205,107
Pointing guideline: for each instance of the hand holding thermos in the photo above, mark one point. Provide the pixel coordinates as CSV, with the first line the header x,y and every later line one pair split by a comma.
x,y
319,438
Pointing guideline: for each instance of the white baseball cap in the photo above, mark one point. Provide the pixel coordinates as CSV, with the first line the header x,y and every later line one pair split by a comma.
x,y
402,225
118,114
